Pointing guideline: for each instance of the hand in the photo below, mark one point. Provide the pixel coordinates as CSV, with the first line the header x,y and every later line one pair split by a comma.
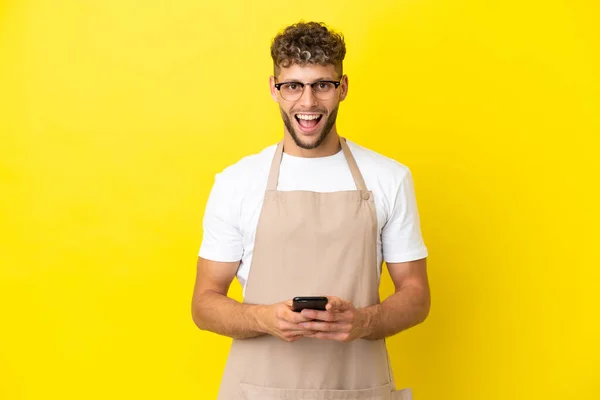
x,y
280,321
340,321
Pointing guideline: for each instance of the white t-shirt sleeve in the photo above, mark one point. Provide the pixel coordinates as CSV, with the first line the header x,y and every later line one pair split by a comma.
x,y
401,236
222,239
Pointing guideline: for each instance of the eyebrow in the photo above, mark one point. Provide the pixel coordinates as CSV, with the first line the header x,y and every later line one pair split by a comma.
x,y
316,80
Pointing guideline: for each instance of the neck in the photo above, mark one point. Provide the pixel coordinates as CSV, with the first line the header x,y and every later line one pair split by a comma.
x,y
329,147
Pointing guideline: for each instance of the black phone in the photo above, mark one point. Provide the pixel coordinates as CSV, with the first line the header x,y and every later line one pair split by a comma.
x,y
309,302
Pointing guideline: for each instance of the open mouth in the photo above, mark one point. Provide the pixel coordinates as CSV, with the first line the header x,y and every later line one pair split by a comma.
x,y
308,122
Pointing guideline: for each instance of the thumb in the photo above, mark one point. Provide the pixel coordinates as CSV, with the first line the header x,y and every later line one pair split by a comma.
x,y
337,304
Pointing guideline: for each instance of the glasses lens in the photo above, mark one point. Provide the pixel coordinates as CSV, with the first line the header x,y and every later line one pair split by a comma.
x,y
291,91
323,90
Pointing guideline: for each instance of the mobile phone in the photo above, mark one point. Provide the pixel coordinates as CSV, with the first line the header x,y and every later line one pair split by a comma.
x,y
309,302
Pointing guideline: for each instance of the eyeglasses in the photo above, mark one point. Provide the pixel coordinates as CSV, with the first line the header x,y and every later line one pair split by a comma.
x,y
322,90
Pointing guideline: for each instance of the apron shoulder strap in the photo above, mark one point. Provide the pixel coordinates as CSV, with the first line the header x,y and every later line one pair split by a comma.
x,y
274,173
356,174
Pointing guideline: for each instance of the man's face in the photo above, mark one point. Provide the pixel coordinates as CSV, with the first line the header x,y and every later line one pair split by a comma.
x,y
309,119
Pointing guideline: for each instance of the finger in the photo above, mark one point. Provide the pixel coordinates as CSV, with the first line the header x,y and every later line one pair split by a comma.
x,y
332,303
330,316
326,326
344,305
303,332
295,317
285,326
337,304
298,333
292,337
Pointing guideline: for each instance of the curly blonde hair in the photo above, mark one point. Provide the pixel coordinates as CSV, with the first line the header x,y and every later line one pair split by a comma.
x,y
308,43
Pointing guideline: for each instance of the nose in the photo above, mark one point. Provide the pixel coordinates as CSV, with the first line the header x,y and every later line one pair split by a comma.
x,y
307,99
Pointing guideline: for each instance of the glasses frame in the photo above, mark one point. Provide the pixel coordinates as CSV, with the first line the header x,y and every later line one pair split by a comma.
x,y
311,84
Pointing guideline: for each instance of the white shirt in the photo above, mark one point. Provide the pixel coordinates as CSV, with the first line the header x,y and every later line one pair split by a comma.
x,y
236,199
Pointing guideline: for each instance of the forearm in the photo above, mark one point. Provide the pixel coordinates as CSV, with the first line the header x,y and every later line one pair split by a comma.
x,y
223,315
408,307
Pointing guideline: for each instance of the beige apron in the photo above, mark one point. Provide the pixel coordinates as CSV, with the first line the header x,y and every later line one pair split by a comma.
x,y
312,244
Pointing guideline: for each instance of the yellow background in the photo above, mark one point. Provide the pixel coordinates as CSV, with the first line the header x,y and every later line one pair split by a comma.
x,y
116,114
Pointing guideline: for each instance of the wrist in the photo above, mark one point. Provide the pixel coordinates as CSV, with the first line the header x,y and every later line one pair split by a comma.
x,y
259,318
369,317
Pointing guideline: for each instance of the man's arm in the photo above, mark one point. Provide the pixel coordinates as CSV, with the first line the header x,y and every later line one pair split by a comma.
x,y
213,311
407,307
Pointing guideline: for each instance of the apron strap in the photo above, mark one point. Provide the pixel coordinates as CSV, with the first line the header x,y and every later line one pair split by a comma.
x,y
274,173
356,174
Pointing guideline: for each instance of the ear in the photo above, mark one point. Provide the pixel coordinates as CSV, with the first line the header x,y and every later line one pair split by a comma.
x,y
273,89
344,87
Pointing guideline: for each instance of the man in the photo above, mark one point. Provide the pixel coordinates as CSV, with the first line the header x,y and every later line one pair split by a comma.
x,y
313,216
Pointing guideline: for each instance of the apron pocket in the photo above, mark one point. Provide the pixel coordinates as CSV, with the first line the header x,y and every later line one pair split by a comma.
x,y
252,392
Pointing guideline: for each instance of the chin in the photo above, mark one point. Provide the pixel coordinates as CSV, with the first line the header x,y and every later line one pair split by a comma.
x,y
308,142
